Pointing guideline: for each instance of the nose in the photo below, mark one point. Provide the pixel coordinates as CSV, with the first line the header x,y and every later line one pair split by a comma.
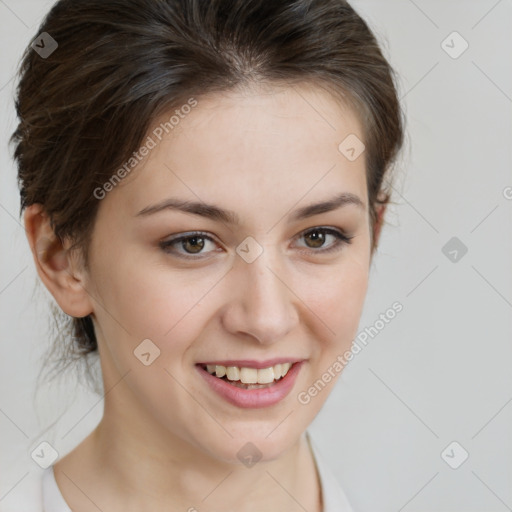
x,y
262,304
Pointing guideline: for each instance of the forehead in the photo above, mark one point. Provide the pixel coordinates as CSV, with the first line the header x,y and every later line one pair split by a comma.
x,y
237,122
260,145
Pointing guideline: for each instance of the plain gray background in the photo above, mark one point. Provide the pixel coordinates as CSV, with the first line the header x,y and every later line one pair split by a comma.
x,y
441,370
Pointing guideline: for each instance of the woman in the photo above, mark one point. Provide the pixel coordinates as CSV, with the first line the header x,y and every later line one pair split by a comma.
x,y
203,190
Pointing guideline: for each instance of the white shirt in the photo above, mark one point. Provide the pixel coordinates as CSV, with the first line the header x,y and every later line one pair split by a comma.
x,y
334,498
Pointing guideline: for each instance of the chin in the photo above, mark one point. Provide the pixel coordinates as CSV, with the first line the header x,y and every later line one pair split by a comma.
x,y
254,442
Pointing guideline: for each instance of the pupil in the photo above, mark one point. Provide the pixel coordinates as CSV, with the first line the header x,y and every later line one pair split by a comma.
x,y
317,237
194,239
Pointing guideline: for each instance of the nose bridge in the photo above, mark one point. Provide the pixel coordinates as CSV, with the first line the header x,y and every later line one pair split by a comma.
x,y
264,306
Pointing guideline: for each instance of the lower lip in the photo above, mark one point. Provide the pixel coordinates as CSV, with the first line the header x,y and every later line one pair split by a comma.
x,y
253,398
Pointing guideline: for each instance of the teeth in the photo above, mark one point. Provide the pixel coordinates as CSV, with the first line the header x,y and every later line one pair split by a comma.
x,y
250,375
232,372
220,371
265,376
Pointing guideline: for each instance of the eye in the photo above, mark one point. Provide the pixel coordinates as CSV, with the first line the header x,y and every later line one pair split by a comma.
x,y
318,235
191,243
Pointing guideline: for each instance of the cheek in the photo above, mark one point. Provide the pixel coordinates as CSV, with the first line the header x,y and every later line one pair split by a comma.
x,y
143,299
151,302
344,297
338,304
336,295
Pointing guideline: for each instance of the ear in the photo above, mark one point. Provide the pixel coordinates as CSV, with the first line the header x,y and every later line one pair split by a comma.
x,y
381,209
57,268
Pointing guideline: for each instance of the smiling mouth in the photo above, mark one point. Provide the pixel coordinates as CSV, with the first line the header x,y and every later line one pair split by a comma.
x,y
249,378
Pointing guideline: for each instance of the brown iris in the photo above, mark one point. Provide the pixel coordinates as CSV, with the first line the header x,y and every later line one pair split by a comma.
x,y
317,236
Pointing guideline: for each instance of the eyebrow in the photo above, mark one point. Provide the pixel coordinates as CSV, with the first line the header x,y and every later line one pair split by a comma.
x,y
216,213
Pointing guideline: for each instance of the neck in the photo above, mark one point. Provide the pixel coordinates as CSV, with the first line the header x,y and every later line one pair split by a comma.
x,y
127,464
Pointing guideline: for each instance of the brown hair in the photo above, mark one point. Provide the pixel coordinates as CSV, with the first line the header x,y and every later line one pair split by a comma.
x,y
119,64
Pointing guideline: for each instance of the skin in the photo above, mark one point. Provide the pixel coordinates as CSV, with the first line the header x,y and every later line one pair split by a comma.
x,y
165,437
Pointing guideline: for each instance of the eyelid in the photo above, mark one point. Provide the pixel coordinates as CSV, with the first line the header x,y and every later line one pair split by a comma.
x,y
183,236
341,239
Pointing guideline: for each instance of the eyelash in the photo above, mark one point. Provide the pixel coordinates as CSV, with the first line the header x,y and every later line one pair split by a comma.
x,y
341,240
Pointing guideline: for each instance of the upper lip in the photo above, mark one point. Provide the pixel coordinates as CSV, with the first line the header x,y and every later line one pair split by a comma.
x,y
252,363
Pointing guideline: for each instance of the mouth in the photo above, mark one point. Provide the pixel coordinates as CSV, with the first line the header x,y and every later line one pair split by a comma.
x,y
250,384
245,377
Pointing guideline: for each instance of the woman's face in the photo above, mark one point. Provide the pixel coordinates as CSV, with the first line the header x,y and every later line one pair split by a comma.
x,y
267,281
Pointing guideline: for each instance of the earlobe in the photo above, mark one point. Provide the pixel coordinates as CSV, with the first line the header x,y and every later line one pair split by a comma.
x,y
55,265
